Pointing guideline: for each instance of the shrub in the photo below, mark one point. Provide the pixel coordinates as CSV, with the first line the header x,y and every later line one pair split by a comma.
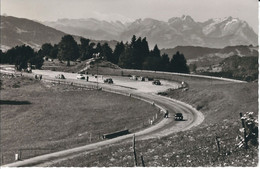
x,y
250,130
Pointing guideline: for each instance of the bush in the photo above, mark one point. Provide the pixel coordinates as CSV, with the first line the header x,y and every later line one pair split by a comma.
x,y
250,130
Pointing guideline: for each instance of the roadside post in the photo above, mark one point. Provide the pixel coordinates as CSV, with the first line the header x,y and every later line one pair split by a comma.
x,y
244,127
217,142
135,162
142,159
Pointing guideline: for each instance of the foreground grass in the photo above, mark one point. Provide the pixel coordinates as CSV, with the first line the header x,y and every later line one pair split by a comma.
x,y
42,118
221,103
185,149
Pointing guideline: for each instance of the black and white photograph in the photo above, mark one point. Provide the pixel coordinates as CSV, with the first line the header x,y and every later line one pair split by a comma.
x,y
129,83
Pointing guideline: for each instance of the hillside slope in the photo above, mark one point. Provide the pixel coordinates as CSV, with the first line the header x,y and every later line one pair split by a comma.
x,y
18,31
221,103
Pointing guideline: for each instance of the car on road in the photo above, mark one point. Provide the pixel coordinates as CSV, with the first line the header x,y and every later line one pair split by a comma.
x,y
178,116
109,81
80,76
156,82
60,76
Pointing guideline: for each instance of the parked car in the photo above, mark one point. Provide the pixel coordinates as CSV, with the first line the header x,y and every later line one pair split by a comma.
x,y
178,116
80,76
109,81
60,76
156,82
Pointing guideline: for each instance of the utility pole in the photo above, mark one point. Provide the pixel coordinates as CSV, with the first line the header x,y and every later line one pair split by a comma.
x,y
97,75
97,58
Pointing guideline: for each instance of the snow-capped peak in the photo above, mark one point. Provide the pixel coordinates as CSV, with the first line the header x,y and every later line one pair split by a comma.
x,y
187,18
183,19
222,26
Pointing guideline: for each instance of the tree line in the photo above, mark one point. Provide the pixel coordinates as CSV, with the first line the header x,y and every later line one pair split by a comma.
x,y
20,56
131,55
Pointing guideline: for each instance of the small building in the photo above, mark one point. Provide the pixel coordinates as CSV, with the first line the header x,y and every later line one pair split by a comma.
x,y
140,78
133,77
146,79
29,68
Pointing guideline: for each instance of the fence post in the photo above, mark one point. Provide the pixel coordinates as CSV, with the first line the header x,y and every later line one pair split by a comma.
x,y
20,154
142,161
217,142
135,162
244,127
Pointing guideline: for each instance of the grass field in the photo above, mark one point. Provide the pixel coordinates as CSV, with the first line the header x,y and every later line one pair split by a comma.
x,y
220,102
42,118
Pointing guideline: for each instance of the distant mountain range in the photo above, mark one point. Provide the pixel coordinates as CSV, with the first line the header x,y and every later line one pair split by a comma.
x,y
177,31
195,52
19,31
203,56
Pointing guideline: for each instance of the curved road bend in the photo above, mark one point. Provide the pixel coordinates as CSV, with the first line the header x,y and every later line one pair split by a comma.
x,y
192,118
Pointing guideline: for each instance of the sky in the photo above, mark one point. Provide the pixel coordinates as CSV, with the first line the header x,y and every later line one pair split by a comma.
x,y
130,10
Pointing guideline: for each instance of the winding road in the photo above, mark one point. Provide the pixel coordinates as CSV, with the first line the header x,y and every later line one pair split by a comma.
x,y
165,127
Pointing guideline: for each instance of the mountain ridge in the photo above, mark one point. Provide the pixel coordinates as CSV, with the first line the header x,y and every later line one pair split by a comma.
x,y
214,33
21,31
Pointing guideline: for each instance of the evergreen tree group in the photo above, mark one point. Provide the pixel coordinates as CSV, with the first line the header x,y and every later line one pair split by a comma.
x,y
130,55
136,55
20,56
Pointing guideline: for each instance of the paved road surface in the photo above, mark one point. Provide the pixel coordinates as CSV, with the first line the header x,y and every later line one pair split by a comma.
x,y
192,118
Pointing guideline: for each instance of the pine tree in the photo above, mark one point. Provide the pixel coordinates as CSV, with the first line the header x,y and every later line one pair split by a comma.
x,y
133,41
68,49
83,48
119,49
154,60
178,63
46,49
98,49
126,58
137,54
165,63
106,52
54,52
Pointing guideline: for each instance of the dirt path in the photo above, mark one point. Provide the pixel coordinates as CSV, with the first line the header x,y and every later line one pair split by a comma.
x,y
192,118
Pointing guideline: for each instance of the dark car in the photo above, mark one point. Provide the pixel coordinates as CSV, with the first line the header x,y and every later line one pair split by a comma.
x,y
81,76
178,116
109,81
60,76
157,82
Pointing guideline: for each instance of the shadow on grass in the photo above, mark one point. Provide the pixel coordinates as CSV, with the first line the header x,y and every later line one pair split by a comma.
x,y
178,119
14,102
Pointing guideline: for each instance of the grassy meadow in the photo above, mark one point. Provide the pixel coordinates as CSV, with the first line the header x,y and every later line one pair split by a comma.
x,y
220,102
44,117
